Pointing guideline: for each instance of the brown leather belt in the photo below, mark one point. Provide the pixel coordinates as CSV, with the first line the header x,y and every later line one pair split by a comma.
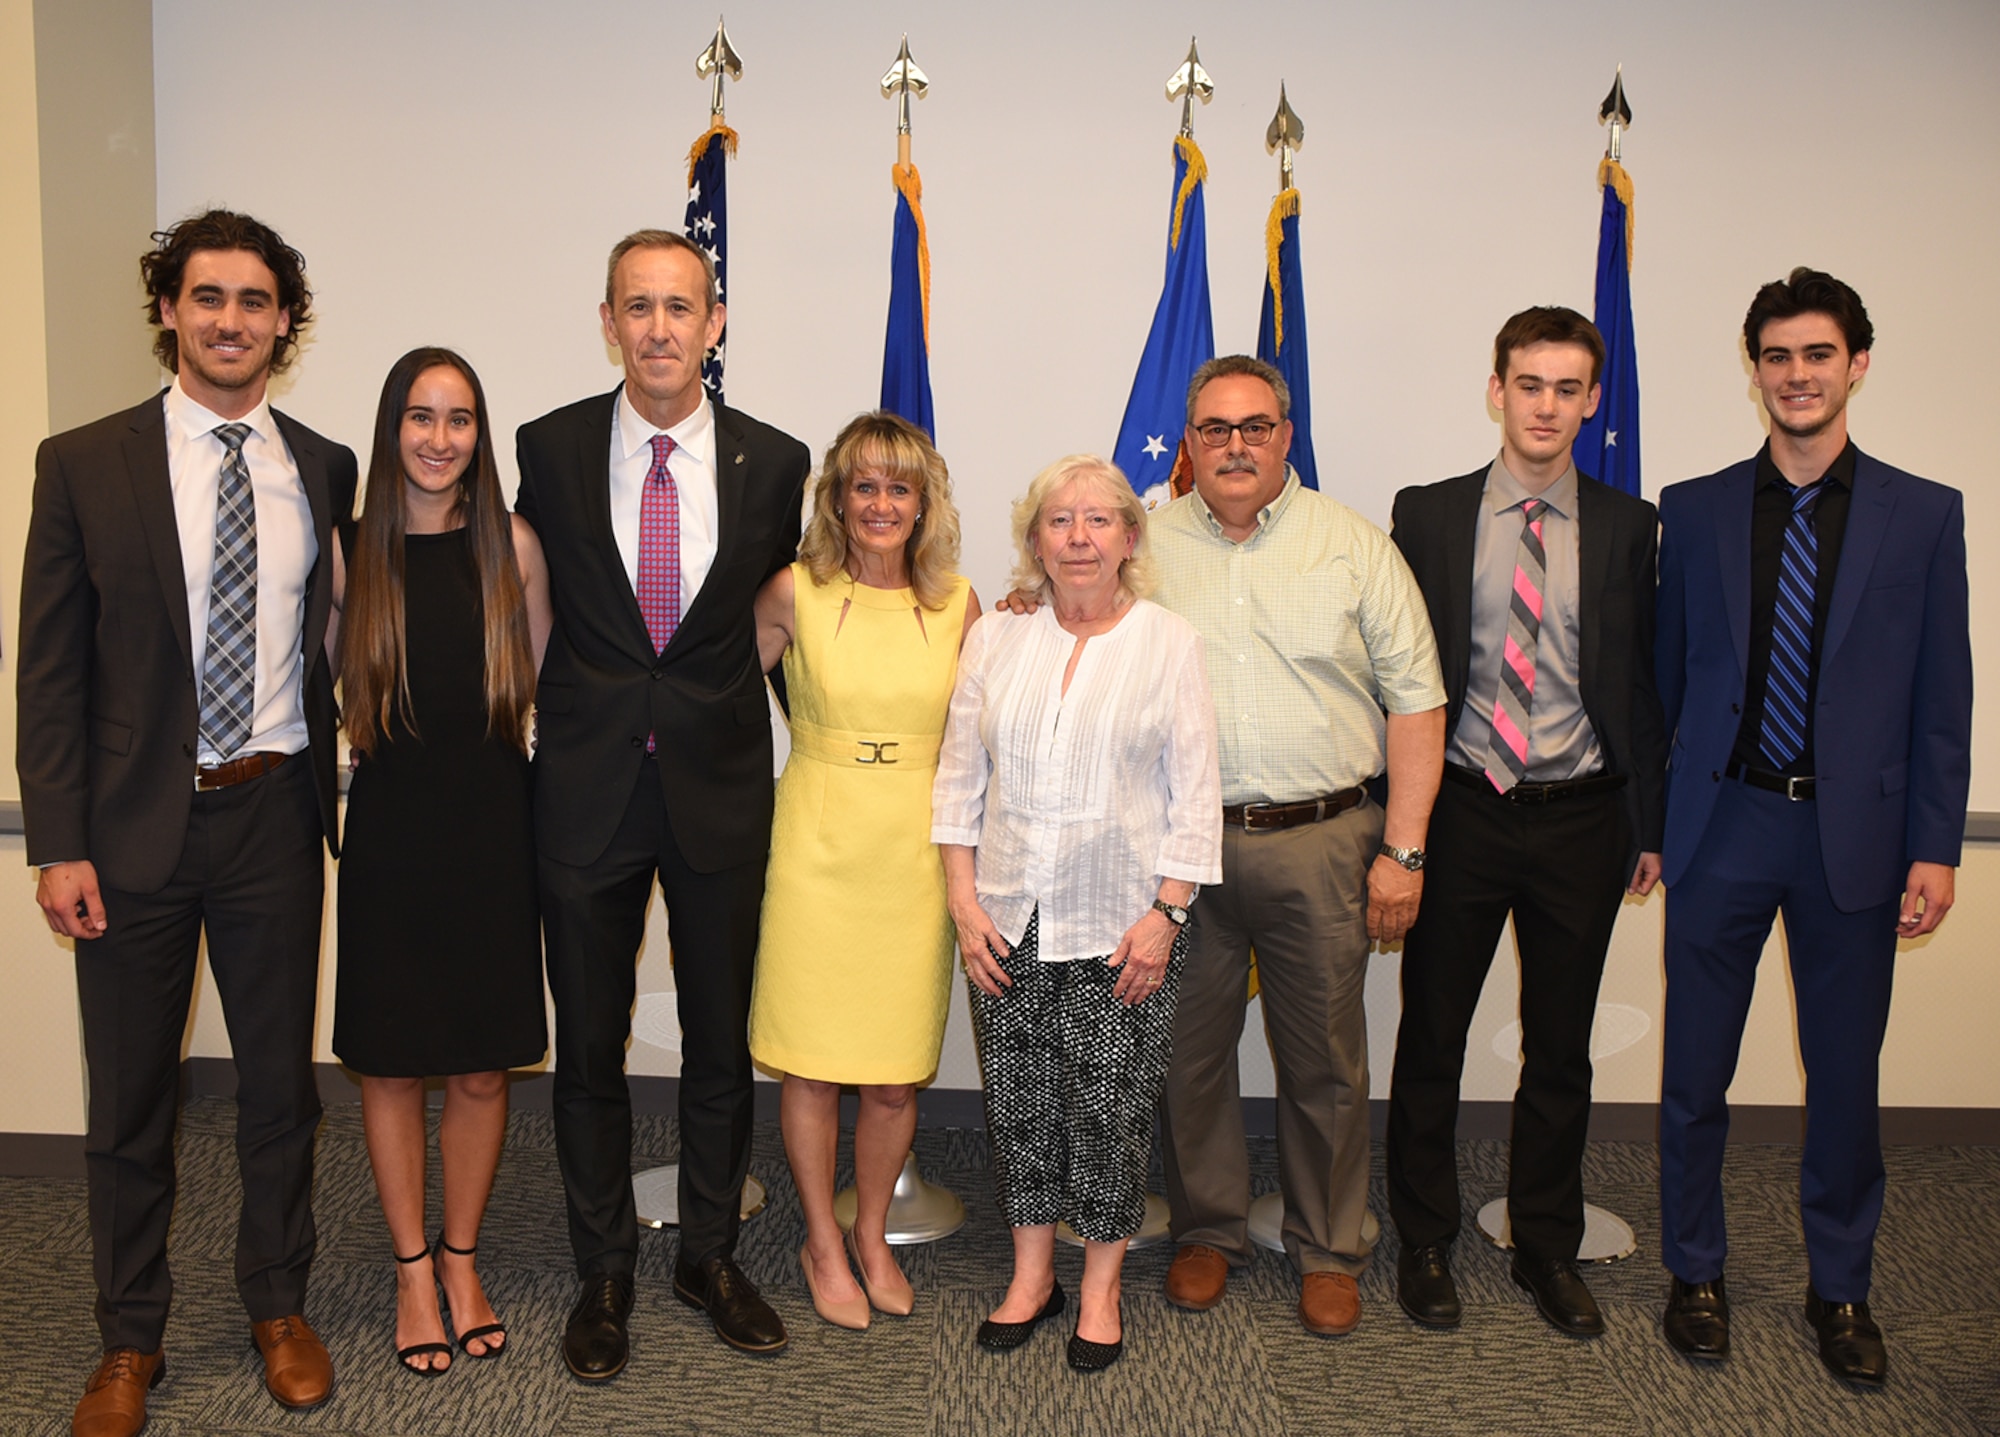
x,y
1798,790
241,769
1259,817
1537,792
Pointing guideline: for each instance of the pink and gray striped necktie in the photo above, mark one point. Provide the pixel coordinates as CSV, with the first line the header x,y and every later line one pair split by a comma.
x,y
1507,752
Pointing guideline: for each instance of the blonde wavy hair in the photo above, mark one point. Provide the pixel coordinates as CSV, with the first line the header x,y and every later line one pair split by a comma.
x,y
1101,479
886,444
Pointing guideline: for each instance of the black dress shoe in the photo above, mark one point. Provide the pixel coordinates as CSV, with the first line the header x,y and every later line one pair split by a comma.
x,y
594,1344
1697,1319
742,1319
1560,1296
1850,1344
1424,1286
1000,1336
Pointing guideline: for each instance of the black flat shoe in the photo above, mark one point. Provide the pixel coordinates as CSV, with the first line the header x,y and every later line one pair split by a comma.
x,y
485,1333
1697,1320
1850,1344
1424,1288
1560,1295
1088,1356
421,1349
1003,1336
594,1343
741,1317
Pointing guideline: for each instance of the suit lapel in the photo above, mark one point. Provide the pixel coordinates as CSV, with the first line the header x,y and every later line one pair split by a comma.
x,y
1732,552
311,465
1867,518
1593,553
593,460
153,495
1461,530
731,468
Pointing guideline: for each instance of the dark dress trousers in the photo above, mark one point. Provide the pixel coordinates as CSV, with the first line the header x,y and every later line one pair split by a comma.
x,y
106,754
1892,745
1559,868
609,816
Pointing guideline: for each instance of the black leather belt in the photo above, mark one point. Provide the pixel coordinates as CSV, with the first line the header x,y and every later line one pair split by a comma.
x,y
1537,792
1259,817
1798,790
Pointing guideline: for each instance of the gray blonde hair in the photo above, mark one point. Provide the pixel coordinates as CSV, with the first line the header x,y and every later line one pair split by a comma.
x,y
1104,480
898,449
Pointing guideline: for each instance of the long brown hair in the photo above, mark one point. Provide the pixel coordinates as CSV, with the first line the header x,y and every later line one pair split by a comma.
x,y
374,660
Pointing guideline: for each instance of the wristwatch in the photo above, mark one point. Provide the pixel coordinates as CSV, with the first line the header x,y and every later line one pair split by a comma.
x,y
1176,915
1410,858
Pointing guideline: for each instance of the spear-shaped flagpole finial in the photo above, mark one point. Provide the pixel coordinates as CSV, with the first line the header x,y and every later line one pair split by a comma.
x,y
718,60
904,78
1287,133
1617,114
1188,84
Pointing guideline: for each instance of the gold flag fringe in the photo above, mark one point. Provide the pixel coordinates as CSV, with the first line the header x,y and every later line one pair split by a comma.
x,y
728,145
1282,208
1197,171
910,185
1610,172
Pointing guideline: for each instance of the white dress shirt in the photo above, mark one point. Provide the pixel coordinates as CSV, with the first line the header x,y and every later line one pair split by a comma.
x,y
1080,803
693,466
287,549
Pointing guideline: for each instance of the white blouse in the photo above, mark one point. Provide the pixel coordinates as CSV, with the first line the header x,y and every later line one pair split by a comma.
x,y
1080,803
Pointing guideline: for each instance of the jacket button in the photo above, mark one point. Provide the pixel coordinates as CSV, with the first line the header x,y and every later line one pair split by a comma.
x,y
638,743
659,673
1736,708
187,750
1716,776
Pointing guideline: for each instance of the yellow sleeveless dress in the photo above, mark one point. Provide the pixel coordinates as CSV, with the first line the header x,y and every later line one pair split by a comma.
x,y
854,960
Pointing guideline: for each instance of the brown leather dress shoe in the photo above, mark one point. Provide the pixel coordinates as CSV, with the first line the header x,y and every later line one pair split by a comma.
x,y
114,1403
1197,1277
297,1370
1330,1304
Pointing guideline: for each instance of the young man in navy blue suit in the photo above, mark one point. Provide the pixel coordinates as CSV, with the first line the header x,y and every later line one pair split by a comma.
x,y
1815,664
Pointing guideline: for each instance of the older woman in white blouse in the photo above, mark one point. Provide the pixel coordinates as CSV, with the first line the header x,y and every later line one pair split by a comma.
x,y
1078,809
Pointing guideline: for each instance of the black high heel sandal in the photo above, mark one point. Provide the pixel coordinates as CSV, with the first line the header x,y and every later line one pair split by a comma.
x,y
419,1349
487,1332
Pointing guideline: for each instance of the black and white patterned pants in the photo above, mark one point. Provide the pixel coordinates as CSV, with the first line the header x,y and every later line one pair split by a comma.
x,y
1072,1078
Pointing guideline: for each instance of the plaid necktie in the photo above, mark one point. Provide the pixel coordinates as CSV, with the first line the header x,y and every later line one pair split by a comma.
x,y
1783,736
660,553
1507,753
229,665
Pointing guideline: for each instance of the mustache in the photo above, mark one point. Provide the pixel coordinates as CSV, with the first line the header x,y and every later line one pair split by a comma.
x,y
1245,465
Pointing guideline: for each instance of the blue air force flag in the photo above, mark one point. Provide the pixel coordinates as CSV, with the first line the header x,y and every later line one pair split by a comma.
x,y
906,349
1181,341
707,224
1281,332
1608,446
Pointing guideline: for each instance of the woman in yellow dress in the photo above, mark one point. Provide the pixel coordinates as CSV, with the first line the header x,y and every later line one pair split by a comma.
x,y
854,961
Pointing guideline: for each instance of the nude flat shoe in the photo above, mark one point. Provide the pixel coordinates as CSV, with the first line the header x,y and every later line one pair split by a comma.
x,y
851,1313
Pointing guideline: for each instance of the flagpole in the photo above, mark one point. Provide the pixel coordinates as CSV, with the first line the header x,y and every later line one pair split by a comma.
x,y
906,366
1608,447
1281,324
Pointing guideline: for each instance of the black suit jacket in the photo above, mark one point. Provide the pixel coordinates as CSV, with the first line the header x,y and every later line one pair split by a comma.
x,y
108,695
1618,544
602,687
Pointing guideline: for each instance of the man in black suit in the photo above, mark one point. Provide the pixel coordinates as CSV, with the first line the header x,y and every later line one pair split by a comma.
x,y
176,759
661,513
1539,582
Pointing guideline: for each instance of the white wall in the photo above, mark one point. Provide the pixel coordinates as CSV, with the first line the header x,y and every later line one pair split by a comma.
x,y
455,171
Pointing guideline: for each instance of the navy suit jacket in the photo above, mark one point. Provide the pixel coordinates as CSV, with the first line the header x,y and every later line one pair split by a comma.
x,y
1892,719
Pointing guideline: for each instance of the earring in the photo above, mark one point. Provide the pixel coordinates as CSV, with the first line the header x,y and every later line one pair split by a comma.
x,y
920,516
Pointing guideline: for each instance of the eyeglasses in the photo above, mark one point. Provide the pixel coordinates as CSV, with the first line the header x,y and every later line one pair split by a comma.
x,y
1256,432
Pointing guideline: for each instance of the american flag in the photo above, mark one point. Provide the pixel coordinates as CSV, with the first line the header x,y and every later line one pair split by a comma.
x,y
707,224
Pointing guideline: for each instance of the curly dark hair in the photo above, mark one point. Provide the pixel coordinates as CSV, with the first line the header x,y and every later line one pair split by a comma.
x,y
162,268
1809,291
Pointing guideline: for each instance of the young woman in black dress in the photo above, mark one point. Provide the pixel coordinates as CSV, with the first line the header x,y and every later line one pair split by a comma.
x,y
442,603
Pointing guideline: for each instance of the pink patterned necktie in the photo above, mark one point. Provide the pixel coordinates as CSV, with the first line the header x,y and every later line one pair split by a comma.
x,y
660,553
1507,753
660,549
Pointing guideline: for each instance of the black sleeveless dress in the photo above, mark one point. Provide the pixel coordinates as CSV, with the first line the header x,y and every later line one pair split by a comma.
x,y
440,932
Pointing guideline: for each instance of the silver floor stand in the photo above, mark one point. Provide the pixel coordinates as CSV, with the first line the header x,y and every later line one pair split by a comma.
x,y
1267,1223
1154,1229
657,1194
1606,1236
918,1211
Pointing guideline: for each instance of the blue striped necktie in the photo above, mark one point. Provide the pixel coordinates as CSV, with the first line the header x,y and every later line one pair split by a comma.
x,y
1783,737
229,664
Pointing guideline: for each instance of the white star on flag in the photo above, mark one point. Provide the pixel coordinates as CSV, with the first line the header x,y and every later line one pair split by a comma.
x,y
1155,445
1610,438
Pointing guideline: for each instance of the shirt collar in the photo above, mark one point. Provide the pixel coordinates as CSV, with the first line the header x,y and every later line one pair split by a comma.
x,y
195,420
1841,471
694,433
1266,516
1504,491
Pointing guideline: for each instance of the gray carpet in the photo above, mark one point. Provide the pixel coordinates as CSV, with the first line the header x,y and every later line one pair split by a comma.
x,y
1245,1367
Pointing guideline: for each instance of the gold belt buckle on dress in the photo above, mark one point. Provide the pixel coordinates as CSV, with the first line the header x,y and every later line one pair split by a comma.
x,y
878,751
